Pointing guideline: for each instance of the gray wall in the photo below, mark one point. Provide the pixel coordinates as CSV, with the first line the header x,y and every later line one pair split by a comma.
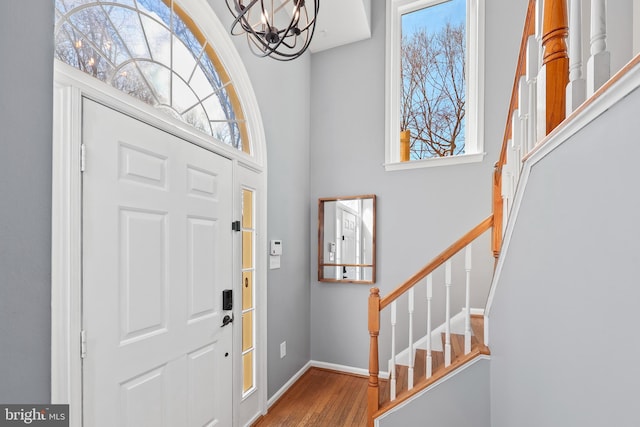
x,y
460,401
420,212
26,85
564,320
25,191
282,90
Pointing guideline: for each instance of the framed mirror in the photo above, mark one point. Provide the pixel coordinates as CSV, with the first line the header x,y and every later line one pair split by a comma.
x,y
347,239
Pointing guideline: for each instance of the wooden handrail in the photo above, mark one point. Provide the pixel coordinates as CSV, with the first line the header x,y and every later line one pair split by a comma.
x,y
528,31
438,261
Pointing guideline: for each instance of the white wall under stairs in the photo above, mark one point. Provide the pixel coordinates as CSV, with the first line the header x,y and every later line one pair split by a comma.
x,y
461,399
563,311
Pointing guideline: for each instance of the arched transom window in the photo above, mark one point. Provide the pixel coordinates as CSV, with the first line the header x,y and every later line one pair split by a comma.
x,y
152,50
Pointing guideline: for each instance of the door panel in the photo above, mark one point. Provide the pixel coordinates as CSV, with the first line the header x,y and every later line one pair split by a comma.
x,y
156,257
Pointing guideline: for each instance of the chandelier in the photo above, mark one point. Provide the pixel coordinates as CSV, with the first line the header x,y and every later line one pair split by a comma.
x,y
280,29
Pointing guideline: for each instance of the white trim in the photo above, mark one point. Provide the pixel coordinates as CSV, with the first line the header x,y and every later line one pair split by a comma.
x,y
278,394
460,159
432,386
70,86
627,83
253,420
346,369
474,128
66,378
249,408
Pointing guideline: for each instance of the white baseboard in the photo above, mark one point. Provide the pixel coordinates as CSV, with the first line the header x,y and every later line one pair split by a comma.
x,y
273,399
254,419
317,364
345,369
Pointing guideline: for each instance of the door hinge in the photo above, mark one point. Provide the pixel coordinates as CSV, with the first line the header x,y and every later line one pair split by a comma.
x,y
83,344
82,157
235,225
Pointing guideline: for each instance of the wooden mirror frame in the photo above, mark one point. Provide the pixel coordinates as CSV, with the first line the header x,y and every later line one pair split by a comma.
x,y
321,242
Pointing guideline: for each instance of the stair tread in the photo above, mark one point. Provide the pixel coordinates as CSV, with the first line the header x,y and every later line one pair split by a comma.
x,y
438,368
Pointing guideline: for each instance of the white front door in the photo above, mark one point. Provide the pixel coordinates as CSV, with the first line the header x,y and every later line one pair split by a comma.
x,y
156,258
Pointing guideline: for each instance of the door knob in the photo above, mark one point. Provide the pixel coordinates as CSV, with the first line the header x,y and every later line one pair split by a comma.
x,y
226,320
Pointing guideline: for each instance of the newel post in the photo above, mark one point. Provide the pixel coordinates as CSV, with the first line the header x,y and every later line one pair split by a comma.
x,y
373,392
405,144
498,209
555,61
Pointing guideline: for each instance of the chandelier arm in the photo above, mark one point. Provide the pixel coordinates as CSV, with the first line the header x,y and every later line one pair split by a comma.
x,y
279,44
240,18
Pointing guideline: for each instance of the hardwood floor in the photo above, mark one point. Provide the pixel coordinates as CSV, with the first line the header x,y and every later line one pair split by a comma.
x,y
321,398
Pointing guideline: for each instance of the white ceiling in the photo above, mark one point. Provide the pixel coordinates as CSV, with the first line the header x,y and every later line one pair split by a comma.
x,y
340,22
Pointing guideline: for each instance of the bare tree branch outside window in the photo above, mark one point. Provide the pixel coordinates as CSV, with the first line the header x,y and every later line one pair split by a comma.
x,y
433,91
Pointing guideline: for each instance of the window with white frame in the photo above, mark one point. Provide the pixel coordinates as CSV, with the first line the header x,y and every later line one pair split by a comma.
x,y
153,51
435,63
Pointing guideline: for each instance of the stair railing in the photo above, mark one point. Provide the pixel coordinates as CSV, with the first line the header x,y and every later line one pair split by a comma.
x,y
550,83
377,304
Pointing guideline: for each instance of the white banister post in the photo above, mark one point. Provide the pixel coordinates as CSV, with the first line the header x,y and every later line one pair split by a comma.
x,y
599,63
506,184
411,355
532,68
467,316
447,339
392,367
516,134
429,367
523,107
538,28
541,79
576,89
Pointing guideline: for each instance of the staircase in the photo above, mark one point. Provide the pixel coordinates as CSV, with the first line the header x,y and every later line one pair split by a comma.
x,y
540,109
439,370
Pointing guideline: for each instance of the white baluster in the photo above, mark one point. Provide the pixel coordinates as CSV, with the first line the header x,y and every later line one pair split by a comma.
x,y
467,317
447,335
411,355
392,367
516,133
523,108
576,89
532,75
598,65
538,30
540,123
429,367
506,186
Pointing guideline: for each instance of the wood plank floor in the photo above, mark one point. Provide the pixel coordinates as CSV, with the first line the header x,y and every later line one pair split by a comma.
x,y
321,398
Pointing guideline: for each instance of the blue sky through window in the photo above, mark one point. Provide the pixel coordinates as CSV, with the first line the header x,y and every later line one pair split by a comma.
x,y
434,17
433,95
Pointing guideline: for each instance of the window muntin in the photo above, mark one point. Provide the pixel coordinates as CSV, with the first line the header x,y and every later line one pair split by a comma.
x,y
463,85
248,294
152,50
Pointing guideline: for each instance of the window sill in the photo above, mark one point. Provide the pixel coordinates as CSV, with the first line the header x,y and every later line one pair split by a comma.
x,y
434,162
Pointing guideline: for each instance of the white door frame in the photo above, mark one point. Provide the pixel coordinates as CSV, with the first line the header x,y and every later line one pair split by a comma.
x,y
70,86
